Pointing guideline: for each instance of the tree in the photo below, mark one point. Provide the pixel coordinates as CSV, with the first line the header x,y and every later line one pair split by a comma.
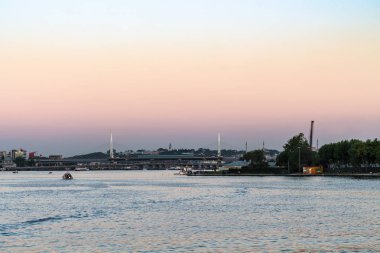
x,y
361,155
326,154
372,147
378,154
296,152
30,162
358,153
256,157
19,161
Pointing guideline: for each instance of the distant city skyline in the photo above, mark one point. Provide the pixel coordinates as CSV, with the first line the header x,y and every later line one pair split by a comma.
x,y
180,72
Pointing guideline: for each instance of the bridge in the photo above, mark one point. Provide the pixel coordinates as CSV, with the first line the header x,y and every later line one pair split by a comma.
x,y
139,162
133,162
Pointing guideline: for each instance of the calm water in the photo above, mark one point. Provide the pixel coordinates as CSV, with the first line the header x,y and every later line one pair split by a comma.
x,y
155,211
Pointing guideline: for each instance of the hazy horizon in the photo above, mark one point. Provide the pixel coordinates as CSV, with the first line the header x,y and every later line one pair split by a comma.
x,y
160,72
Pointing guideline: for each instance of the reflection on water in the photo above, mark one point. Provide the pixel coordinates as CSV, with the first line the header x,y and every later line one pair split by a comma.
x,y
123,211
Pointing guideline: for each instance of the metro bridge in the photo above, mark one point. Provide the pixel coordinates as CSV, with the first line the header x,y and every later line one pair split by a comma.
x,y
133,162
138,162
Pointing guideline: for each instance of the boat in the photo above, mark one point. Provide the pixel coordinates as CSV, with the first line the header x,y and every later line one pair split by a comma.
x,y
15,171
81,169
67,176
175,168
184,171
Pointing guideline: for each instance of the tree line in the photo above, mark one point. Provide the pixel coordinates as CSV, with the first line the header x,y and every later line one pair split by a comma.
x,y
350,155
344,156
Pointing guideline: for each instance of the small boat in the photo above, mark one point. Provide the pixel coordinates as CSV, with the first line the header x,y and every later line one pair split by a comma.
x,y
50,172
81,169
15,171
184,171
67,176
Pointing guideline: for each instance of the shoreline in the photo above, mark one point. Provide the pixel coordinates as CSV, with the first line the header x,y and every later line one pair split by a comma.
x,y
359,175
216,174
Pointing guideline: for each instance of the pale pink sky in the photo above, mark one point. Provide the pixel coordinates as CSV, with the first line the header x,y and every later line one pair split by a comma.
x,y
66,82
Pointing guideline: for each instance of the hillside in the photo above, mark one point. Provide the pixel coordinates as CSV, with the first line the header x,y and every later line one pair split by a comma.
x,y
95,155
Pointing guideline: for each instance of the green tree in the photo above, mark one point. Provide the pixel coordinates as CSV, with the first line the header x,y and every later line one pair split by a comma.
x,y
31,162
326,154
358,153
296,152
372,147
256,157
377,154
361,155
19,161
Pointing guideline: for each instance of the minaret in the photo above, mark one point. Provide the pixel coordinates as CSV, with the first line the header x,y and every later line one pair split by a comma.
x,y
219,149
111,147
246,147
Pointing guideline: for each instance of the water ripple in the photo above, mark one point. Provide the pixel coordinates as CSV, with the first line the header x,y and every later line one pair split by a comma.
x,y
158,212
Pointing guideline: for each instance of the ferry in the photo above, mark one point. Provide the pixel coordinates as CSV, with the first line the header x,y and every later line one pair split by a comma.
x,y
81,169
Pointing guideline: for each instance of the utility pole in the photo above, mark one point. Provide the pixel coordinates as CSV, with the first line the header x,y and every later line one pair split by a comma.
x,y
219,153
299,160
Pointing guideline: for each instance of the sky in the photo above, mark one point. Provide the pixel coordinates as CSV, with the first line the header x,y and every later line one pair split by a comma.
x,y
180,72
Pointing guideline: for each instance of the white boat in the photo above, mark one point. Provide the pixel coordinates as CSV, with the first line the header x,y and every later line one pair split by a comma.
x,y
175,168
184,171
81,169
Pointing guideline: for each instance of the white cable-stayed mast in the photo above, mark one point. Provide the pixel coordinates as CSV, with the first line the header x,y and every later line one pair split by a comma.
x,y
219,147
111,146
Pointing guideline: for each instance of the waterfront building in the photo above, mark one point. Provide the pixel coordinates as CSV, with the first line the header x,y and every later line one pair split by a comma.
x,y
15,153
236,165
55,157
7,162
3,154
32,155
